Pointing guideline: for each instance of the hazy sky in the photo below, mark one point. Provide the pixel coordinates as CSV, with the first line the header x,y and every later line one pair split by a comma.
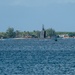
x,y
28,15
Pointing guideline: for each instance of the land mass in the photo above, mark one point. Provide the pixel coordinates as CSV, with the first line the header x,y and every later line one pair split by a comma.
x,y
44,33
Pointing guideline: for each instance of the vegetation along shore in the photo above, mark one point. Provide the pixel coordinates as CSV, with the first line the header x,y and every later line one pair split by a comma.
x,y
44,33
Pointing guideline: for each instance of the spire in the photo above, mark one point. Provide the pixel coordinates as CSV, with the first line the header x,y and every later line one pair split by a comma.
x,y
43,27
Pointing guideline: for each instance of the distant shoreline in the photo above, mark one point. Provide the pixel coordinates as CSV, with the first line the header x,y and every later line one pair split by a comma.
x,y
33,38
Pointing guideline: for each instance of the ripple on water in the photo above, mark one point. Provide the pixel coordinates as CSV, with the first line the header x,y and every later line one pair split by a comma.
x,y
37,57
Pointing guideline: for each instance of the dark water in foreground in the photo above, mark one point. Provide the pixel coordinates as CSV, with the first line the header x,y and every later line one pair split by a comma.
x,y
37,57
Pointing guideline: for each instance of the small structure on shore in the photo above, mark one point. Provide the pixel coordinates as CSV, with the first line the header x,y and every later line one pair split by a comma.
x,y
43,32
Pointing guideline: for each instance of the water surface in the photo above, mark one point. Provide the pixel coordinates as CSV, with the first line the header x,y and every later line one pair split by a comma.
x,y
37,57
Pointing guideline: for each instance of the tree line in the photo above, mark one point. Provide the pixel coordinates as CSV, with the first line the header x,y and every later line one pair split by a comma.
x,y
11,33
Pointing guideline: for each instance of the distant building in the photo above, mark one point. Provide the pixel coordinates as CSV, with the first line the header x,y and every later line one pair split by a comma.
x,y
43,32
64,36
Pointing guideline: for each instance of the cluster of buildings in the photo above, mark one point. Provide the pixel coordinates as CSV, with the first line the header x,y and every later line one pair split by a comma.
x,y
64,36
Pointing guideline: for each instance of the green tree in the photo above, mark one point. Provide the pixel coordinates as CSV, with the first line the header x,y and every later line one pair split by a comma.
x,y
3,35
50,32
10,33
28,33
18,34
35,34
71,34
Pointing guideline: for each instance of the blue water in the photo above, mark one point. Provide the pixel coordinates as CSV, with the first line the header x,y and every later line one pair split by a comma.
x,y
37,57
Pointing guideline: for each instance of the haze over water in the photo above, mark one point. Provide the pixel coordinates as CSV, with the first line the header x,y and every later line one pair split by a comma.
x,y
37,57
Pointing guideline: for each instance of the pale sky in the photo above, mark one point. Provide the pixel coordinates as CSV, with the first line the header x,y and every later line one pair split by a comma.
x,y
29,15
